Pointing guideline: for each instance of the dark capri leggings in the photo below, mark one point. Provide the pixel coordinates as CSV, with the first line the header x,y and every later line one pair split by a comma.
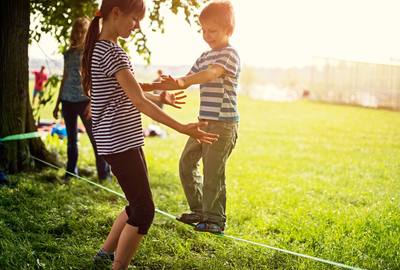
x,y
131,171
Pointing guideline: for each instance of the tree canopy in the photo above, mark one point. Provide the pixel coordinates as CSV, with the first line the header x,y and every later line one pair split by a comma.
x,y
56,17
26,20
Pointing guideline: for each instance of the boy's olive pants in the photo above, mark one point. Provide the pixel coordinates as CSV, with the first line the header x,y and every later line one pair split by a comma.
x,y
207,195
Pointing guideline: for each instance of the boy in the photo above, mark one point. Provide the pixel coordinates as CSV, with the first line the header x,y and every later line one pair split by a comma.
x,y
40,79
217,72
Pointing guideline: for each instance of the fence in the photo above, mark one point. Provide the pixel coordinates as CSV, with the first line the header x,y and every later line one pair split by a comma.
x,y
357,83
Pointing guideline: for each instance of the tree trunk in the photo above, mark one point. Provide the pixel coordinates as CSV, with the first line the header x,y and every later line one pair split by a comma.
x,y
15,108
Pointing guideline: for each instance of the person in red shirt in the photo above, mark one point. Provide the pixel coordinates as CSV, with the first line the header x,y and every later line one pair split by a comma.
x,y
40,79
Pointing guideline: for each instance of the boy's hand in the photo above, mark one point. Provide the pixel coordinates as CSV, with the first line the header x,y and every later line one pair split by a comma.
x,y
170,83
194,131
173,99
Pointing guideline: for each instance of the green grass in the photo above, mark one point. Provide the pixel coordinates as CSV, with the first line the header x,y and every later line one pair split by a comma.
x,y
312,178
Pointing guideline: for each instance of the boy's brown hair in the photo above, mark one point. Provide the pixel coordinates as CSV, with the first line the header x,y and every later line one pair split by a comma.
x,y
220,12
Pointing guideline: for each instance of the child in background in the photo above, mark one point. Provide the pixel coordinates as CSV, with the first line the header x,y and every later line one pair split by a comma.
x,y
116,102
217,71
75,103
40,79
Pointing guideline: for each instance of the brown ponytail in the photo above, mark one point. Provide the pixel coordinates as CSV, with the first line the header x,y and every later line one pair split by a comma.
x,y
91,37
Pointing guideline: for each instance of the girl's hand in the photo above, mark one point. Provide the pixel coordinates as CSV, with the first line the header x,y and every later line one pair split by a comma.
x,y
173,99
194,131
147,87
55,112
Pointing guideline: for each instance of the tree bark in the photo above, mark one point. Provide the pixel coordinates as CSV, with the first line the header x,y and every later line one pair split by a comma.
x,y
15,108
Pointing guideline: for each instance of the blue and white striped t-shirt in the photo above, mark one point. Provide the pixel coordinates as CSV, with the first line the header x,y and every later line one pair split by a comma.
x,y
218,98
117,124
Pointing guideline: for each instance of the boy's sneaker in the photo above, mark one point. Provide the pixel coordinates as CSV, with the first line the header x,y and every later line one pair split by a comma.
x,y
189,218
103,257
210,227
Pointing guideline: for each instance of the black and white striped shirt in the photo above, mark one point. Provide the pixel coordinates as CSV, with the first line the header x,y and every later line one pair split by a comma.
x,y
117,124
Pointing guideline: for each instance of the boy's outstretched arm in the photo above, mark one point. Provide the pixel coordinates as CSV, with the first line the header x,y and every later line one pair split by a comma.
x,y
210,74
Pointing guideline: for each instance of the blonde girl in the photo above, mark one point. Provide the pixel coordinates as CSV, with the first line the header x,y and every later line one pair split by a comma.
x,y
75,103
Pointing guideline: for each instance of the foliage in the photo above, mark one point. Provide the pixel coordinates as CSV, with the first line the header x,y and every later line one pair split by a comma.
x,y
56,17
312,178
189,8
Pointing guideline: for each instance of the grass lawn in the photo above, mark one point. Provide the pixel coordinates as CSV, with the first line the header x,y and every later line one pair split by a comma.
x,y
313,178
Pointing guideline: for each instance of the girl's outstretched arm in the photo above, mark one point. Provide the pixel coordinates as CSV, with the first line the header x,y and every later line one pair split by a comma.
x,y
174,99
57,106
132,89
148,87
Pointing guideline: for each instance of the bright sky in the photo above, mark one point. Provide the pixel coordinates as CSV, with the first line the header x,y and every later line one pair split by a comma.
x,y
285,33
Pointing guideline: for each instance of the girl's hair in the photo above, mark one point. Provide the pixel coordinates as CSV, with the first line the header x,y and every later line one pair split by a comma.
x,y
126,6
78,33
220,11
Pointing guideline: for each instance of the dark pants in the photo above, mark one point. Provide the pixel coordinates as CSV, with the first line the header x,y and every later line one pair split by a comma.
x,y
131,171
71,111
